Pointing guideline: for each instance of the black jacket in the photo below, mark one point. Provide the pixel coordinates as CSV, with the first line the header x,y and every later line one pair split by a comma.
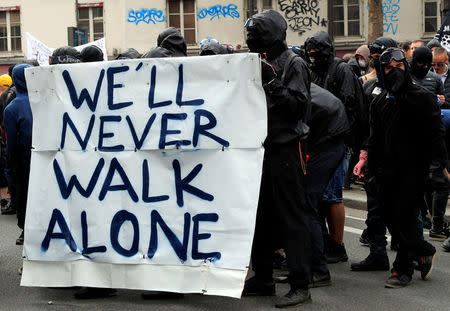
x,y
431,82
446,105
406,135
328,122
288,99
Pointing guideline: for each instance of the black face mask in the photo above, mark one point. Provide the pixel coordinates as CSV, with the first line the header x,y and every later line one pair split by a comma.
x,y
394,80
419,71
317,60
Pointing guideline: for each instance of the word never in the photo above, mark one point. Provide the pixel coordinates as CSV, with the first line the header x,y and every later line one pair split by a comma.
x,y
146,16
390,15
302,14
219,10
117,222
77,100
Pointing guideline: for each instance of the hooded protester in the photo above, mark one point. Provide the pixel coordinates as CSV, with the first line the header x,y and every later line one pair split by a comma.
x,y
129,54
329,126
212,48
91,53
421,74
18,122
281,206
362,57
172,40
157,52
65,55
406,145
336,76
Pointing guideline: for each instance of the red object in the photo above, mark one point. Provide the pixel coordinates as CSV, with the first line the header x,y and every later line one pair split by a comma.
x,y
9,8
90,5
307,158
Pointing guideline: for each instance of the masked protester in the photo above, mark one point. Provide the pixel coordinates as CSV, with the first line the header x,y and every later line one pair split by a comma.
x,y
362,57
172,40
375,234
281,207
421,74
336,76
406,145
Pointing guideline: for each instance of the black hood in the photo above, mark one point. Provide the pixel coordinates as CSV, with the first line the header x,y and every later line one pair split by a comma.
x,y
91,53
408,79
267,34
157,52
381,44
129,54
423,56
172,40
320,40
212,48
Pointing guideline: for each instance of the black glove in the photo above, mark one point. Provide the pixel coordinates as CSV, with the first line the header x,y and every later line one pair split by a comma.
x,y
268,74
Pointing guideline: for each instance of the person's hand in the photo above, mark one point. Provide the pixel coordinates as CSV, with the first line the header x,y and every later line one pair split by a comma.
x,y
358,170
268,74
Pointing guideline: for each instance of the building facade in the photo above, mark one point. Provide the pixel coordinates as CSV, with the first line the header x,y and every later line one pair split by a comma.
x,y
137,23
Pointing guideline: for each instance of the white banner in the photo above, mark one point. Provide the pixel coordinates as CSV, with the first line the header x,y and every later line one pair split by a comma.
x,y
145,169
39,51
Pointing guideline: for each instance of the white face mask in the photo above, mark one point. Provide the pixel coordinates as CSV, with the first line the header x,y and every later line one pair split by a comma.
x,y
312,60
362,63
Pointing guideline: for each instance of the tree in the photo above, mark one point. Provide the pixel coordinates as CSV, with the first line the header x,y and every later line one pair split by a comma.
x,y
375,19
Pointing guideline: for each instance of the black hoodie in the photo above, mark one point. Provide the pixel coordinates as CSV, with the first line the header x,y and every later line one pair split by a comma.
x,y
172,40
288,99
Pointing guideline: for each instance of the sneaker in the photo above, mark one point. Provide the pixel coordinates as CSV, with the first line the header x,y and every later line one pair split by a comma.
x,y
293,298
94,292
373,262
364,238
254,287
446,245
19,240
397,281
426,264
336,253
320,280
439,235
7,208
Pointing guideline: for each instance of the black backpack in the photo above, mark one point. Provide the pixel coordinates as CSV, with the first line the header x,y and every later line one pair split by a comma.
x,y
360,111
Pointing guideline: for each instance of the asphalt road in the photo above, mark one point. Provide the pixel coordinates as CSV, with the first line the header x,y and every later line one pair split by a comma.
x,y
350,290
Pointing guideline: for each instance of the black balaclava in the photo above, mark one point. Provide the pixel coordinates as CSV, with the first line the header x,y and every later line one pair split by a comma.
x,y
396,81
421,62
378,47
266,34
321,59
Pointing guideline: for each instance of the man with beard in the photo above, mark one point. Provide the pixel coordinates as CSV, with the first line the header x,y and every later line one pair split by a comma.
x,y
281,208
406,145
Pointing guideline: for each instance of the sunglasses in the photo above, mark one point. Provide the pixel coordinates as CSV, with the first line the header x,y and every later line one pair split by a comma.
x,y
391,54
438,64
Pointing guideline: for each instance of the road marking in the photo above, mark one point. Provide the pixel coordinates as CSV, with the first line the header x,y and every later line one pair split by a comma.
x,y
356,218
359,232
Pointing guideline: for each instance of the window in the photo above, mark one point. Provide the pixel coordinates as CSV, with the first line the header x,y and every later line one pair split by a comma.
x,y
430,16
90,20
10,38
346,18
255,6
182,17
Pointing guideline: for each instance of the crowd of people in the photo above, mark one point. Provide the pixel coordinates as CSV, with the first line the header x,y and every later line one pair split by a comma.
x,y
380,115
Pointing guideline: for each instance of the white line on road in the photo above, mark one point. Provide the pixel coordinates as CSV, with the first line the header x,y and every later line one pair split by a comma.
x,y
359,231
356,218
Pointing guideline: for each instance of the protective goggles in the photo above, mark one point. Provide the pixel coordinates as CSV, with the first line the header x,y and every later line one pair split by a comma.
x,y
250,23
209,40
391,54
376,48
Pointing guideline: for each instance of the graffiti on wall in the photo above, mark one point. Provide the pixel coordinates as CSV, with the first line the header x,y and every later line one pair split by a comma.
x,y
218,11
302,15
146,16
390,16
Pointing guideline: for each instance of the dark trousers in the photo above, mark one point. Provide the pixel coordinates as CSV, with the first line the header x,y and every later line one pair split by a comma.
x,y
281,220
320,168
376,228
20,173
401,198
